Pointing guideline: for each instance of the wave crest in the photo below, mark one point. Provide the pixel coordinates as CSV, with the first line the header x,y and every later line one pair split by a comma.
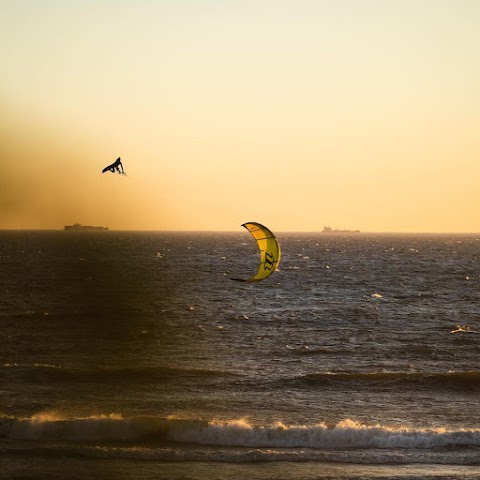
x,y
464,380
346,434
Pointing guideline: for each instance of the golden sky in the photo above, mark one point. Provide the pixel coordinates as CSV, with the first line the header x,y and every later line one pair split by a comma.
x,y
296,114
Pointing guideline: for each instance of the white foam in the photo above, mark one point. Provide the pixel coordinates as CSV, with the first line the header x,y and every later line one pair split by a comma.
x,y
346,434
235,433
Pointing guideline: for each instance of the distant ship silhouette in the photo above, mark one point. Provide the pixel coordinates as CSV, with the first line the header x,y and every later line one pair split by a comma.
x,y
327,229
77,227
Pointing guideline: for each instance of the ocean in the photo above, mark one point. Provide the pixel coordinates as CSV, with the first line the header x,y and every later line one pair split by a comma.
x,y
133,355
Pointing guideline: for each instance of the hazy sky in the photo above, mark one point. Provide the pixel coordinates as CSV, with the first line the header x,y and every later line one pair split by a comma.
x,y
357,114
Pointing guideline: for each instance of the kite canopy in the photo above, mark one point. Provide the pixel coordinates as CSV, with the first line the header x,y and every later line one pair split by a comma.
x,y
269,250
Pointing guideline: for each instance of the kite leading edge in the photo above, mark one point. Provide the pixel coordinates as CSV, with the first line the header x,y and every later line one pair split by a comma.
x,y
269,250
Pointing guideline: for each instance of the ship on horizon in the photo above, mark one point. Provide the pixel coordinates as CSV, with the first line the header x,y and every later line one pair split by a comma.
x,y
328,229
77,227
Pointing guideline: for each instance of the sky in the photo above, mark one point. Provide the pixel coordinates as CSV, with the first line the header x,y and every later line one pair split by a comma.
x,y
295,114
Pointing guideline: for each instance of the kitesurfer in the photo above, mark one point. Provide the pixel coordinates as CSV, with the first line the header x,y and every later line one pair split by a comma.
x,y
115,167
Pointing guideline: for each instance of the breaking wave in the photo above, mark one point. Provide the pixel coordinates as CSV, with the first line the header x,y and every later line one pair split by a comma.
x,y
347,434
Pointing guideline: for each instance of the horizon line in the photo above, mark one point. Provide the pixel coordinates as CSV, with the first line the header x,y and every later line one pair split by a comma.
x,y
333,233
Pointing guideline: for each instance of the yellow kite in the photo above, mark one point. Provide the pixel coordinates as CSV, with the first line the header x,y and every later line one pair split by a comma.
x,y
269,250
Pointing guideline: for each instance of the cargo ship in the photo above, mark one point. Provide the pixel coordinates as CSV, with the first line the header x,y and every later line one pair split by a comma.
x,y
77,227
327,229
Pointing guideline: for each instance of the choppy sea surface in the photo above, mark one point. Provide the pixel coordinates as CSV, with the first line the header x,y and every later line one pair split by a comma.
x,y
133,355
